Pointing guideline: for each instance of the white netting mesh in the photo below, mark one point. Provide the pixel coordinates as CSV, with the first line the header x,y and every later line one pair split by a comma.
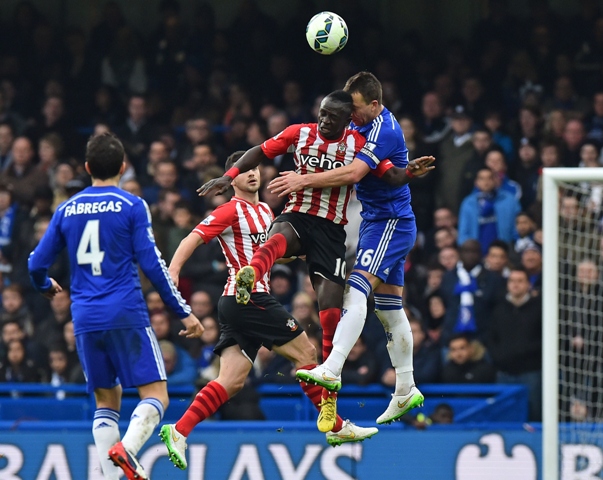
x,y
580,256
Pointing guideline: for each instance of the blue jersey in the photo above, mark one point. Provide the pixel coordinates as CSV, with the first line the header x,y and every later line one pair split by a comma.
x,y
107,232
384,140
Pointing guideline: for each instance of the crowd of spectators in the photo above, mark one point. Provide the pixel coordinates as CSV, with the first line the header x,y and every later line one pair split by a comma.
x,y
517,95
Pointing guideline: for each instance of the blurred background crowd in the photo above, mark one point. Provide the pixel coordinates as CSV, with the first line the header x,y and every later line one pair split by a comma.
x,y
519,94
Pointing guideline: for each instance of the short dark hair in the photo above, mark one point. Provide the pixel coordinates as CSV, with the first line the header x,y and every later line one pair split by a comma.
x,y
341,96
460,336
105,155
520,268
233,158
499,244
367,85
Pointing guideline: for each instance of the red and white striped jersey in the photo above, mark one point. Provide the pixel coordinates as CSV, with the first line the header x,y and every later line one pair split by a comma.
x,y
315,154
241,228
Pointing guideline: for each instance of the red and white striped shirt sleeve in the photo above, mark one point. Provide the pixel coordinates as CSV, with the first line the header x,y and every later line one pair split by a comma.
x,y
216,222
280,143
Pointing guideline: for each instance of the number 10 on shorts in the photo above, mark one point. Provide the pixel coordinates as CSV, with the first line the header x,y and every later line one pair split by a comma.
x,y
340,268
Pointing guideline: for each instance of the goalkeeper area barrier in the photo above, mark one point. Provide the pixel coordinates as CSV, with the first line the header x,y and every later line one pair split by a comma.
x,y
572,323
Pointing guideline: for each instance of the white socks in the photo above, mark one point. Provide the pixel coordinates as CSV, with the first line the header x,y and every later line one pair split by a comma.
x,y
145,417
106,434
352,321
399,339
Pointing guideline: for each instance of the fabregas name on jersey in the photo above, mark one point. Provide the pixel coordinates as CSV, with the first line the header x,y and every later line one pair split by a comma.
x,y
92,207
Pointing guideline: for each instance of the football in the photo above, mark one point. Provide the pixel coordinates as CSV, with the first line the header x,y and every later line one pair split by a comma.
x,y
327,33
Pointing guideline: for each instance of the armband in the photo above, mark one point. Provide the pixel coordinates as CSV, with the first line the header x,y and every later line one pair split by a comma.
x,y
232,172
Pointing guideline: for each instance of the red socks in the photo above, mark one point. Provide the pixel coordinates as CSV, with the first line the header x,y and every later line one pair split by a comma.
x,y
328,321
206,403
264,258
315,394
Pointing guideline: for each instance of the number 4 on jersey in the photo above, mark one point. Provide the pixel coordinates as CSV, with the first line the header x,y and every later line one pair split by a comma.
x,y
88,250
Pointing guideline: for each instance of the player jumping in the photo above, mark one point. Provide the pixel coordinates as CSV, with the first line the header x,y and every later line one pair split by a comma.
x,y
107,232
312,222
387,234
241,226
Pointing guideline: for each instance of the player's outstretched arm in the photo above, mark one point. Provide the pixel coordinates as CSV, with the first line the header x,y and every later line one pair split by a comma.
x,y
418,167
250,159
290,182
182,254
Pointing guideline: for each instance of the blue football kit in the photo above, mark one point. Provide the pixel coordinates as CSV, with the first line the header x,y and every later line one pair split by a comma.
x,y
388,230
108,233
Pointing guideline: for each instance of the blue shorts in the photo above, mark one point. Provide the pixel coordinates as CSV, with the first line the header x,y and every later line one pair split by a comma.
x,y
129,356
383,246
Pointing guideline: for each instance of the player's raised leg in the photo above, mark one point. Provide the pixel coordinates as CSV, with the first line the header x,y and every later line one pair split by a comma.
x,y
389,310
283,241
302,353
234,368
328,375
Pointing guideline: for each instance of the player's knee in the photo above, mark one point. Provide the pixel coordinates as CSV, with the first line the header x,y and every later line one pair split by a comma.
x,y
358,283
307,355
233,384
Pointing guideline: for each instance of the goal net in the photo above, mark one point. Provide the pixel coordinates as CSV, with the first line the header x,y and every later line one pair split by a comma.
x,y
573,324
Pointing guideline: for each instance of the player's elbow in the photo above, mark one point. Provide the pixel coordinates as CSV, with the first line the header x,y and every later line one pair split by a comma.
x,y
355,176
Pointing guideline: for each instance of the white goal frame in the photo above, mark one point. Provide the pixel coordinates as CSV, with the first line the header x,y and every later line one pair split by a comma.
x,y
550,309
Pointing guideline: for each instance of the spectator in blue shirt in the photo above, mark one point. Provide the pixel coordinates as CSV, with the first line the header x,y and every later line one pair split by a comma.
x,y
488,214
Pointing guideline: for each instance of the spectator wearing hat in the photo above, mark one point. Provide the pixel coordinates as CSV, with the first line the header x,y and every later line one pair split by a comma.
x,y
456,151
488,213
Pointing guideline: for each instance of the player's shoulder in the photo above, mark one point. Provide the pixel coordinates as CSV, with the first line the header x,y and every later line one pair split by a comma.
x,y
355,134
385,125
227,209
295,128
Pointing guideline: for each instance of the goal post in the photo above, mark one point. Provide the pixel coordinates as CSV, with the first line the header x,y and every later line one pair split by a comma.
x,y
568,244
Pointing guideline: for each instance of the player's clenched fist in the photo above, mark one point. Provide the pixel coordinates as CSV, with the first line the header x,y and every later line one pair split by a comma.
x,y
193,327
